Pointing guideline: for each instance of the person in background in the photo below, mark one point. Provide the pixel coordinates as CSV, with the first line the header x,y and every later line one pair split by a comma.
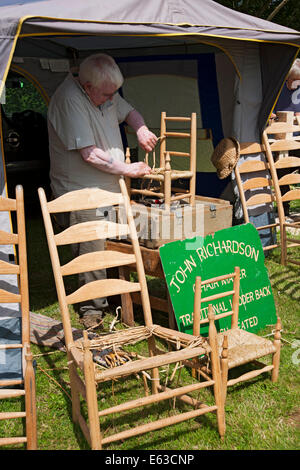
x,y
86,149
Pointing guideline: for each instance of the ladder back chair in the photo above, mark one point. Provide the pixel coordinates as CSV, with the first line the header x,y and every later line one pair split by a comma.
x,y
255,186
280,137
236,346
85,373
24,387
164,175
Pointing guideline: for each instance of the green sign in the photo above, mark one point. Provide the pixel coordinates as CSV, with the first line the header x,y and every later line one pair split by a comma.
x,y
213,256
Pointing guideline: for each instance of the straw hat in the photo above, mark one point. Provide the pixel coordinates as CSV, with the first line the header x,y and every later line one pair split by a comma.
x,y
225,156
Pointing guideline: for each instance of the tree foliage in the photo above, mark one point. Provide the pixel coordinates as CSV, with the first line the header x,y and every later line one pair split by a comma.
x,y
287,12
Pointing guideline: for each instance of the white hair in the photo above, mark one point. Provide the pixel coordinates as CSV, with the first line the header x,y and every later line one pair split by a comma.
x,y
295,69
99,69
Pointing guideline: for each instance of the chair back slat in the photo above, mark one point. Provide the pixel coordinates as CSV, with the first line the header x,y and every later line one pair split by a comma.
x,y
260,199
9,297
84,199
252,166
96,260
88,231
247,148
287,162
104,288
7,204
284,145
9,268
291,178
292,195
258,182
282,128
7,238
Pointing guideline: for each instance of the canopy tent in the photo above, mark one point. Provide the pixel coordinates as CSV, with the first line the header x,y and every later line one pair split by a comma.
x,y
176,55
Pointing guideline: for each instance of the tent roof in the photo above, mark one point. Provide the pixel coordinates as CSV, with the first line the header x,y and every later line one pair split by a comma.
x,y
203,17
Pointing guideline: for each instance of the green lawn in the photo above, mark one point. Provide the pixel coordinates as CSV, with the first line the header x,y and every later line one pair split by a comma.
x,y
259,414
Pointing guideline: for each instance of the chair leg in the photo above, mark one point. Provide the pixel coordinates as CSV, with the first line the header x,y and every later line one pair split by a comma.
x,y
216,374
283,245
74,393
91,397
224,367
276,355
30,401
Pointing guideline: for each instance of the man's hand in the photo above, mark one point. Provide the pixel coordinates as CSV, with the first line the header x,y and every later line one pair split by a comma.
x,y
147,140
137,169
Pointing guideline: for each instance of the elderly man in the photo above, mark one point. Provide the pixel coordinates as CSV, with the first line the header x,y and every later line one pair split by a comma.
x,y
86,147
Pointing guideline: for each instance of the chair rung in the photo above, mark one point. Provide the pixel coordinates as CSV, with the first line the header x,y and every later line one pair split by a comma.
x,y
102,288
150,363
11,393
158,424
4,441
11,346
13,415
155,398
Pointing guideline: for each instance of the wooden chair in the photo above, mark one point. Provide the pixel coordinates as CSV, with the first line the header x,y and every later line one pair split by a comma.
x,y
278,137
236,346
164,175
25,387
86,374
255,185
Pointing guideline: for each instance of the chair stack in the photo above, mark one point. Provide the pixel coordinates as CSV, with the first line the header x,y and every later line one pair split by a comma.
x,y
283,138
25,387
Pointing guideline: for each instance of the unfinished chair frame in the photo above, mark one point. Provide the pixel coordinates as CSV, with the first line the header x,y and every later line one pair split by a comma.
x,y
278,137
261,183
236,346
85,374
165,175
25,387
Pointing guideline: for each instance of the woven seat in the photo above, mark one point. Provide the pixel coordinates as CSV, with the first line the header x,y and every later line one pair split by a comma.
x,y
236,347
110,357
244,347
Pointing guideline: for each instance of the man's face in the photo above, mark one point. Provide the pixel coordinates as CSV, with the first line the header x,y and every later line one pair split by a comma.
x,y
99,95
293,81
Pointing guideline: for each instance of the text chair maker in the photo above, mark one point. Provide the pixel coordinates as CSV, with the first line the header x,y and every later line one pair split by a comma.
x,y
165,175
236,346
86,374
15,389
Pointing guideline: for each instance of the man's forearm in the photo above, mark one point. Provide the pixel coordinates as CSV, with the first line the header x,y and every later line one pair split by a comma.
x,y
105,162
102,160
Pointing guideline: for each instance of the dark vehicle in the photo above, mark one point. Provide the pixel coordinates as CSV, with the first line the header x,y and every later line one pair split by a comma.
x,y
25,139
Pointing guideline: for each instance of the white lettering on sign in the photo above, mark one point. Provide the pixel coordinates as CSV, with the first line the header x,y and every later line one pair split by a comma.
x,y
232,246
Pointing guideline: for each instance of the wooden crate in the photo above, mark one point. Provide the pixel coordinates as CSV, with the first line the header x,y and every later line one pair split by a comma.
x,y
156,226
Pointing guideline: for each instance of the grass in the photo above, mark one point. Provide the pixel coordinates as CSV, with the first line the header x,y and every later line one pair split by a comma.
x,y
260,415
